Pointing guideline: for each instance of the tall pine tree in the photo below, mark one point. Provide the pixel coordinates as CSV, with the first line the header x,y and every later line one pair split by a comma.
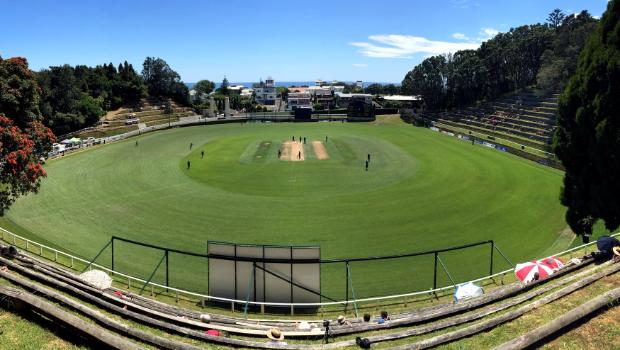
x,y
587,139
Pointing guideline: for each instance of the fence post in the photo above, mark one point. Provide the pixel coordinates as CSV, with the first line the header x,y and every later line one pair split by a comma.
x,y
112,253
346,288
352,290
491,264
167,270
435,274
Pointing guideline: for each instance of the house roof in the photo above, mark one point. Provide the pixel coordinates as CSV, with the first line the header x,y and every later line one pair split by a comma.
x,y
402,98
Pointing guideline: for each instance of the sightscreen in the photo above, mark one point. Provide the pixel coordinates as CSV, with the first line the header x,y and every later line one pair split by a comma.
x,y
265,273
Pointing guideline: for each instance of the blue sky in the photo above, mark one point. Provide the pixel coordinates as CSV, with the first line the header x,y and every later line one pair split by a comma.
x,y
246,40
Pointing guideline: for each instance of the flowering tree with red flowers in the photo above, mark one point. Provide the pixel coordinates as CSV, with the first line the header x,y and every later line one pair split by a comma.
x,y
20,163
24,140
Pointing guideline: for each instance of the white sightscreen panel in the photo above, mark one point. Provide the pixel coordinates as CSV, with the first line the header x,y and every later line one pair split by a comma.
x,y
276,289
227,275
306,275
245,280
222,272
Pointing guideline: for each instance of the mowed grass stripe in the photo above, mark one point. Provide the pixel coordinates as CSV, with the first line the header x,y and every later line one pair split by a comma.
x,y
422,191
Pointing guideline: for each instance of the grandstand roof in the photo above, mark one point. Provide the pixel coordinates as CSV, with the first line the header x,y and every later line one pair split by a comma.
x,y
402,98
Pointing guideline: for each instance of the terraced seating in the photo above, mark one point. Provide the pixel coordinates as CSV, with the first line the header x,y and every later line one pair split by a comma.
x,y
62,286
526,118
147,112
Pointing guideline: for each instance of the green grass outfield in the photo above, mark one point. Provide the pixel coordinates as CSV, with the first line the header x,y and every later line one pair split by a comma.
x,y
423,191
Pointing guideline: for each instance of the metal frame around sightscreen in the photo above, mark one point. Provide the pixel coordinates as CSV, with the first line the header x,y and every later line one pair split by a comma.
x,y
267,270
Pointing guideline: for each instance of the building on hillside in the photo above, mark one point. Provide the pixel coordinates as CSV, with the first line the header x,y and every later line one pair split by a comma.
x,y
337,88
299,100
247,92
195,97
324,97
236,89
265,92
408,106
319,82
313,89
344,99
298,89
359,84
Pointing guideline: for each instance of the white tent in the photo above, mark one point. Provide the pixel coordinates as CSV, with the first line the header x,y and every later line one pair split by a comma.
x,y
466,291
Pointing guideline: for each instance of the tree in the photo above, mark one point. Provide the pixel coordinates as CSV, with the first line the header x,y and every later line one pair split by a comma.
x,y
23,139
21,169
75,97
374,89
19,92
507,62
129,85
587,139
224,87
555,18
282,92
162,81
559,62
204,87
466,78
391,89
429,80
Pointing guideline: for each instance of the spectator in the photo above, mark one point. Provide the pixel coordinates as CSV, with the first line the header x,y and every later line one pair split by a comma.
x,y
608,246
384,317
276,337
342,321
366,317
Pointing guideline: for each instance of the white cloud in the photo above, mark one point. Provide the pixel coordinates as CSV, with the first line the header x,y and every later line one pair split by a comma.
x,y
490,32
360,65
486,34
404,46
460,36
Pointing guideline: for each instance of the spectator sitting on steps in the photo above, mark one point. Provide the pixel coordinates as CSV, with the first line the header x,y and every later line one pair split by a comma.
x,y
384,317
609,247
276,337
343,321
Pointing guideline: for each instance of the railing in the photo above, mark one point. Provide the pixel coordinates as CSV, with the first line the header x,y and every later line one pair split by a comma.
x,y
13,239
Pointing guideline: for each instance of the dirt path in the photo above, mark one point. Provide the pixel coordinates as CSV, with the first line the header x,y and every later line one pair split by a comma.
x,y
292,151
319,150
